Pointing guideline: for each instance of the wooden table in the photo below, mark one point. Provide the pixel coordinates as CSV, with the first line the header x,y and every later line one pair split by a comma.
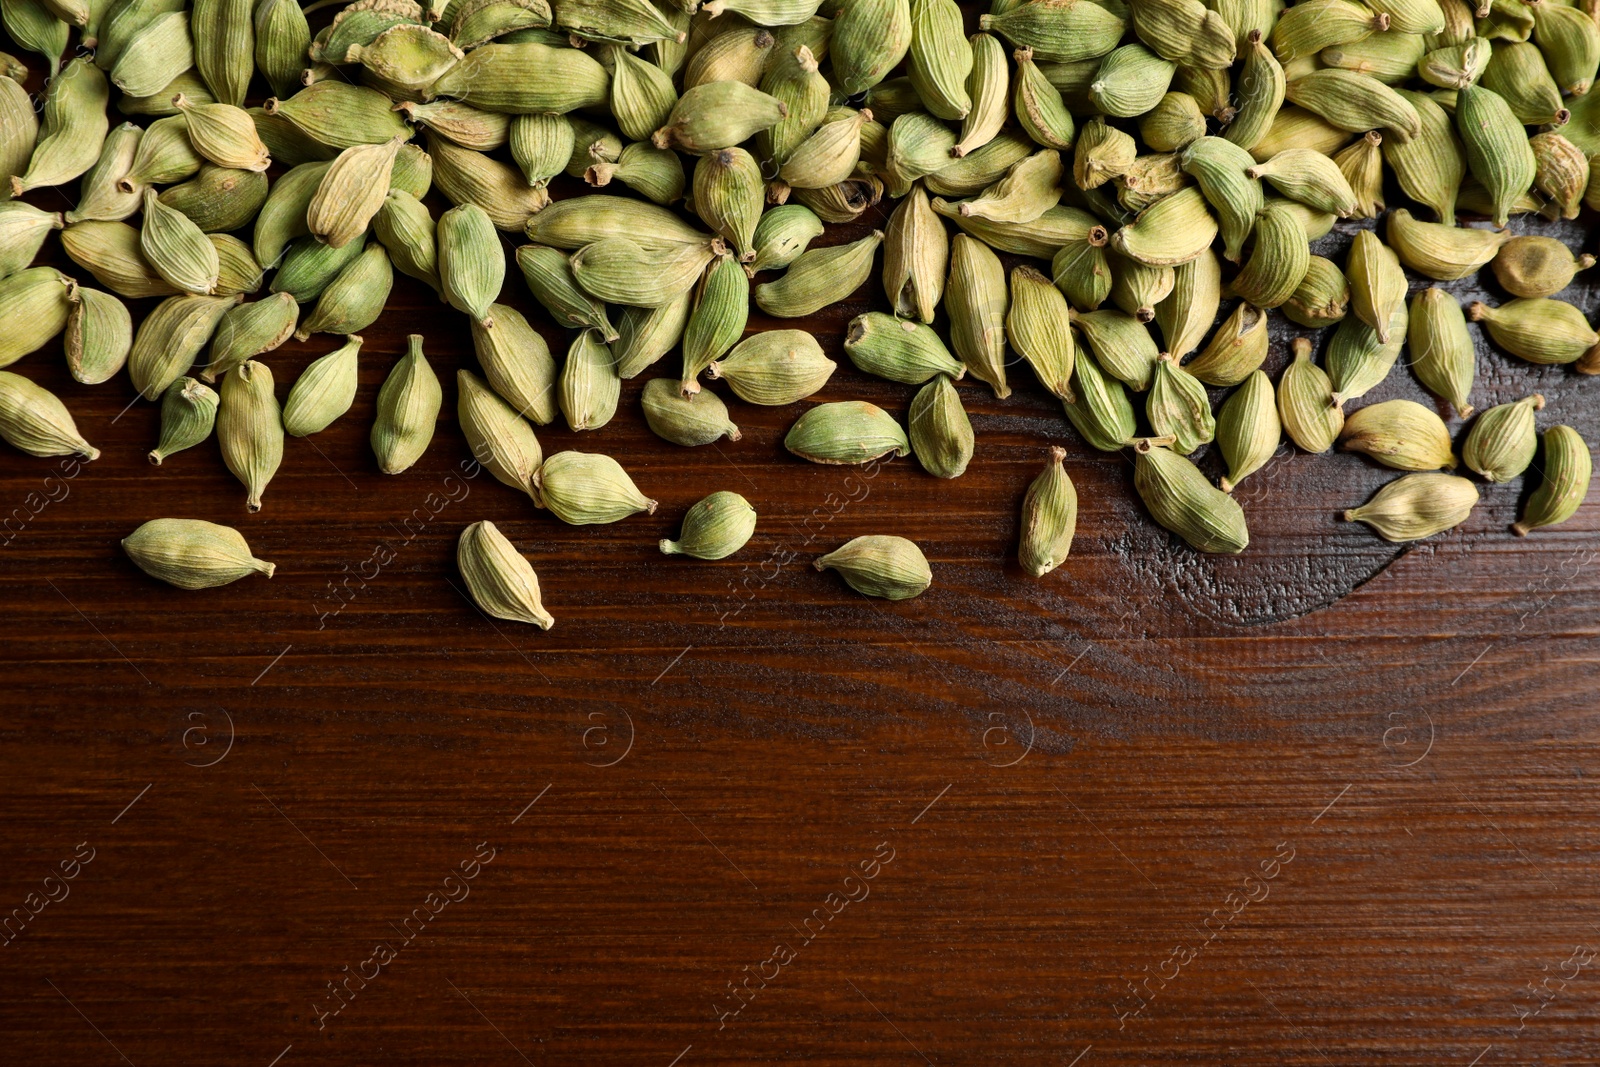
x,y
1325,802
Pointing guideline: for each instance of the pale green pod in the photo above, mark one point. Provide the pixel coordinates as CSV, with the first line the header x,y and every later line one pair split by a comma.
x,y
938,429
282,38
224,50
219,199
940,58
1563,484
1261,92
224,134
157,53
1570,41
472,266
827,157
900,350
35,27
1445,253
988,91
728,194
100,197
479,130
714,528
73,130
718,115
1540,330
176,248
584,488
355,298
1121,345
1279,261
250,429
1306,406
1322,298
1029,189
524,79
717,321
110,252
1049,518
655,172
1173,123
642,94
819,277
1442,355
1517,71
477,22
1533,266
916,255
19,130
1393,57
1082,270
1059,31
517,363
979,168
35,421
1497,149
1131,81
1248,429
1429,168
1102,152
408,233
880,565
1177,229
591,143
468,177
352,189
1415,506
774,368
245,331
869,39
619,271
1296,127
1357,360
1037,326
237,270
99,334
977,300
588,389
1307,28
1222,170
1377,286
408,409
1041,238
23,229
1180,498
782,235
188,413
192,553
323,392
846,433
1401,434
793,80
500,439
283,214
1309,177
1038,105
690,419
540,144
1178,407
170,337
549,278
644,335
500,580
1102,413
1190,310
1236,349
1503,440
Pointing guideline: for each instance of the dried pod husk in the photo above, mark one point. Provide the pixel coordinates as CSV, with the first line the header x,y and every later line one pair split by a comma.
x,y
1377,286
1236,349
1189,311
1416,506
1358,361
1220,167
774,367
159,103
250,428
1261,88
1175,230
244,331
737,53
188,413
715,527
1539,330
1102,152
938,428
219,199
100,197
1518,73
619,271
1354,102
23,229
819,277
1151,179
1178,407
549,278
474,128
1561,174
1185,31
1121,344
591,143
408,409
899,349
1137,288
1473,199
1401,434
988,91
1502,441
192,553
829,155
846,433
1445,253
1101,413
880,565
845,202
869,39
1038,327
1442,355
323,392
408,233
644,335
501,581
1306,406
500,439
223,51
282,39
170,337
1173,123
355,297
524,79
1082,270
110,252
1322,298
1534,266
1496,147
472,267
1394,57
1310,178
976,300
1131,80
405,59
1430,167
783,233
99,333
978,169
1320,24
1278,262
585,488
1451,66
176,248
718,115
34,26
517,363
541,145
35,421
940,58
237,270
685,419
468,177
1248,429
588,389
1570,41
351,191
73,130
1180,499
224,134
1362,166
728,195
1563,484
717,320
1058,31
1039,107
1049,518
793,80
916,255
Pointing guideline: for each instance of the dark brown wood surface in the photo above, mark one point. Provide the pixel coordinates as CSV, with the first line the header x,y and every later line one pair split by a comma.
x,y
1326,802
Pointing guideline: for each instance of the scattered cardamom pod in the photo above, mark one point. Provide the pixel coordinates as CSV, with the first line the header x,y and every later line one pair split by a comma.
x,y
584,488
1442,355
193,553
588,389
1236,348
692,419
1305,402
1503,440
774,368
472,267
500,578
323,392
1539,330
1416,506
408,409
188,414
1178,407
1180,498
1248,429
250,429
715,527
846,432
1534,267
35,421
1401,434
880,565
1563,484
900,350
938,429
99,334
1049,518
500,439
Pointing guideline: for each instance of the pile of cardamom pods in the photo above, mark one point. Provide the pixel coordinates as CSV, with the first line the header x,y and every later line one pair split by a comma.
x,y
1146,161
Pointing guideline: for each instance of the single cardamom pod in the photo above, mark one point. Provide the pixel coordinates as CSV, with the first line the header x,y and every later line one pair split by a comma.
x,y
1188,312
793,80
1309,177
337,114
1178,407
715,527
282,38
1305,402
1180,499
35,304
783,234
468,177
500,580
1535,267
916,255
1137,288
472,268
717,321
1173,123
585,488
1040,238
1236,349
617,270
1570,42
1296,127
1357,361
188,413
219,199
846,433
524,79
500,439
1442,355
686,419
1121,344
23,229
1101,413
170,337
1103,152
900,350
978,169
1049,518
1502,441
580,221
819,277
880,565
245,331
1445,253
35,421
728,193
717,115
1151,179
283,214
1322,298
408,409
74,127
250,429
1248,429
938,429
176,248
736,54
1260,95
99,197
1059,32
977,301
774,368
549,278
1539,330
224,134
1401,434
1222,170
1029,189
869,40
355,298
408,233
1377,286
99,334
193,553
1131,80
589,387
1497,149
352,190
1564,482
311,265
470,127
1279,261
1416,506
644,335
1431,166
657,173
323,392
1037,325
237,270
541,145
517,363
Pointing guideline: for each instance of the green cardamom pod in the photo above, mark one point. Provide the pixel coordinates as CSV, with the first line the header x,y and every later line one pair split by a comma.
x,y
978,169
1059,31
900,350
686,419
1222,170
1564,482
1049,518
176,248
245,331
99,334
793,80
1497,149
1173,123
1534,267
1037,326
589,387
1570,41
188,413
728,193
1131,80
1309,177
819,277
715,527
1103,152
1236,350
352,190
1442,355
73,130
100,197
1416,506
774,368
1188,312
501,581
477,22
987,89
310,266
1248,429
1101,413
1295,127
1260,93
1443,252
1539,330
783,234
472,267
35,421
549,278
219,199
1377,286
916,254
523,79
644,335
657,173
846,432
579,221
585,488
1323,296
1358,361
541,144
880,565
323,392
34,306
1401,434
468,177
224,134
938,429
517,363
977,301
1430,167
193,553
282,38
717,321
406,229
1180,499
170,337
500,439
237,270
1038,105
1279,260
1121,344
408,409
619,271
869,39
1178,407
1082,270
1361,165
479,130
1306,406
1502,441
250,429
355,298
283,214
717,115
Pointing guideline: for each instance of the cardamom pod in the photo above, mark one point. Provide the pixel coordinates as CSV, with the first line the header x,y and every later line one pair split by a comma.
x,y
715,527
916,254
1059,31
987,90
1539,330
177,249
1377,286
500,580
1416,506
689,420
170,337
219,199
976,302
1401,434
524,79
1121,344
1322,298
468,177
1082,270
1496,145
500,439
99,333
193,553
35,421
23,229
1103,152
352,189
1443,252
869,39
1564,482
845,433
282,38
224,134
1442,354
1236,350
1180,499
1101,413
1295,127
188,413
1279,260
34,306
1178,407
1222,170
355,298
717,321
785,231
408,409
1502,441
938,429
618,270
717,115
900,350
250,428
237,270
1306,406
100,198
1309,177
472,268
323,392
819,277
644,335
793,80
517,363
880,565
74,126
1049,518
1187,314
1248,429
1535,267
1261,87
589,387
245,331
1037,325
774,368
584,488
1358,361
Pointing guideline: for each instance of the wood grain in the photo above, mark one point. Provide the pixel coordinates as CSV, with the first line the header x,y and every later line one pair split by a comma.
x,y
1075,776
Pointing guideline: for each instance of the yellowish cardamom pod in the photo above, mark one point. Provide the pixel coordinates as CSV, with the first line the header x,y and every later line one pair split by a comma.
x,y
1539,330
224,134
500,579
472,266
976,301
938,429
774,367
1536,266
1503,440
1564,483
880,565
1442,355
250,429
188,414
846,432
1401,434
1417,506
408,409
1305,402
1236,349
323,392
35,421
193,553
1248,429
1181,499
352,190
1037,325
585,488
1049,518
589,387
500,439
685,419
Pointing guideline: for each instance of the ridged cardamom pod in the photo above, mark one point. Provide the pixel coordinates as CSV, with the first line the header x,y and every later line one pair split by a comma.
x,y
715,527
1309,177
1442,355
1037,325
619,271
869,40
1102,153
1354,102
73,130
1040,238
352,190
739,53
245,331
1137,288
188,413
846,432
1570,41
583,220
110,252
178,250
717,115
685,419
170,337
408,233
717,321
657,173
1152,178
1059,31
589,388
408,409
819,277
23,229
1429,168
219,199
938,429
1357,361
523,79
224,134
1322,298
470,127
405,59
541,145
1497,149
311,265
774,368
1221,169
1175,230
282,37
355,297
1295,127
99,195
978,169
1305,402
283,215
1049,518
1539,330
1236,349
1534,267
1131,80
501,581
1248,429
337,114
323,392
1102,413
1260,94
916,255
517,363
1173,123
1178,407
99,334
250,429
193,553
1362,166
1279,261
584,488
34,306
1377,286
1180,499
880,565
1082,270
1029,189
472,267
976,301
1190,310
1401,434
500,439
1564,482
1502,441
237,270
1517,71
1417,506
783,233
900,350
988,91
644,335
468,177
940,58
728,194
792,79
1121,345
549,278
1445,253
35,421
